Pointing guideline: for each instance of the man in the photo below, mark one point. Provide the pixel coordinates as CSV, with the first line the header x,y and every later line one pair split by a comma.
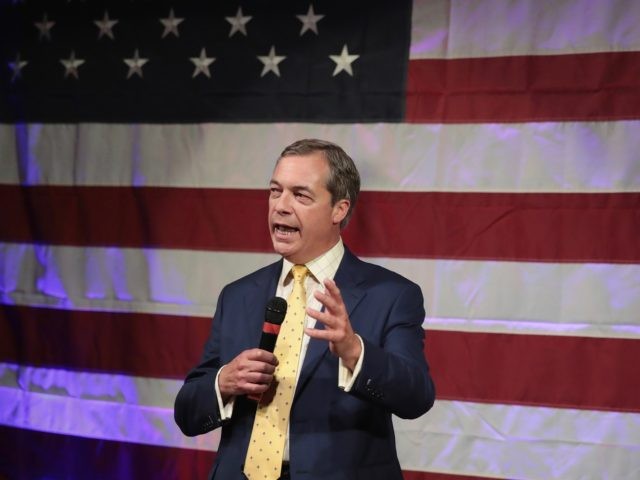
x,y
361,358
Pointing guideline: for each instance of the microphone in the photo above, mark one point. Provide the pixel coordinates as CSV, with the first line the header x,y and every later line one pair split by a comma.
x,y
273,318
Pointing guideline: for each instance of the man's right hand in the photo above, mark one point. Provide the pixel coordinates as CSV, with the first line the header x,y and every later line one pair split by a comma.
x,y
249,373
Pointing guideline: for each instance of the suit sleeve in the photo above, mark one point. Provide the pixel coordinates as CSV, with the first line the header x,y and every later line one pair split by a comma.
x,y
395,374
196,408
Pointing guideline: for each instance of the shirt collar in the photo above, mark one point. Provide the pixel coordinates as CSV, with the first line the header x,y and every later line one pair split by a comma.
x,y
322,267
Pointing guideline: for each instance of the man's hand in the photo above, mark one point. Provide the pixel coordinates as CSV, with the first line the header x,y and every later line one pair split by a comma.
x,y
250,372
343,342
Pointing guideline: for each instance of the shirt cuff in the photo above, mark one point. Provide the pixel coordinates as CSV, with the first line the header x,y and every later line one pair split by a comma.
x,y
225,410
346,378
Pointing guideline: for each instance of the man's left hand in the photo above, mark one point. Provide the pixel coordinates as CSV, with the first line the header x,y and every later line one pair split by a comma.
x,y
343,342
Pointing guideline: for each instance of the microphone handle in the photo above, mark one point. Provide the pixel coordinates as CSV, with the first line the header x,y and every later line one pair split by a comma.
x,y
268,343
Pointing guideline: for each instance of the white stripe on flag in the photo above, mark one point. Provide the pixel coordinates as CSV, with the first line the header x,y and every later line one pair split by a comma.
x,y
538,157
507,441
83,417
495,28
586,299
471,438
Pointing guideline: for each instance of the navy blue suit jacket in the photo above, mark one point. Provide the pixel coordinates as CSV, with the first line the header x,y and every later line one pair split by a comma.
x,y
333,434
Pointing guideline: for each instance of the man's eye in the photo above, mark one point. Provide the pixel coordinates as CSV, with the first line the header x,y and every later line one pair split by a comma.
x,y
302,196
274,192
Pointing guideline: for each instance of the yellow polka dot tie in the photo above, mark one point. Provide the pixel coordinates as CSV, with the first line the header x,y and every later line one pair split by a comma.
x,y
266,446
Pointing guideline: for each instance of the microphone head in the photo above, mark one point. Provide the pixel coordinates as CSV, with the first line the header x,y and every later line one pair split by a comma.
x,y
276,310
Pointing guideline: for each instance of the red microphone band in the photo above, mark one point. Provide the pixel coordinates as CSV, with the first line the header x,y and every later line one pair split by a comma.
x,y
270,328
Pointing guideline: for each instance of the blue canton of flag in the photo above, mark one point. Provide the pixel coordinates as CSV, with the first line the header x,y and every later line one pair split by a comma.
x,y
192,61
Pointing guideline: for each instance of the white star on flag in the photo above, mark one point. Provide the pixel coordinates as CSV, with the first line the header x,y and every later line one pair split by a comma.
x,y
16,67
271,62
343,61
71,65
171,24
44,27
202,64
238,23
310,21
135,64
105,25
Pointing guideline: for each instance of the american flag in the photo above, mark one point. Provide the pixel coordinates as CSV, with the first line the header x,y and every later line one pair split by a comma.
x,y
499,147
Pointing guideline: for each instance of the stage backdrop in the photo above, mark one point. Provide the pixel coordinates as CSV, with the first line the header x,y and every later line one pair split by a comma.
x,y
499,145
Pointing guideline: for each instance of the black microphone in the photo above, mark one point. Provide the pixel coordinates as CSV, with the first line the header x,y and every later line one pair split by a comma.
x,y
273,317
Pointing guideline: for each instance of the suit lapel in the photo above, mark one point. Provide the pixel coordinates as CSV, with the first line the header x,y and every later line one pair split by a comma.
x,y
348,279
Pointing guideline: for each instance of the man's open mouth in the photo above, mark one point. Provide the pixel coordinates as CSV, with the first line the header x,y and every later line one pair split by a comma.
x,y
284,229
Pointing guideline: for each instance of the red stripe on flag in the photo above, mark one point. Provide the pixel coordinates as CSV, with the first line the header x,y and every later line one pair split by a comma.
x,y
551,227
558,371
594,86
31,454
208,219
163,346
502,226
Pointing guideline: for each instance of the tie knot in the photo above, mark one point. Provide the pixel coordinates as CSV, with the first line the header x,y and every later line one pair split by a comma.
x,y
299,272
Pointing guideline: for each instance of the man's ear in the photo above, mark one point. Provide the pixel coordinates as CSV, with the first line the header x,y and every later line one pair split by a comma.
x,y
340,210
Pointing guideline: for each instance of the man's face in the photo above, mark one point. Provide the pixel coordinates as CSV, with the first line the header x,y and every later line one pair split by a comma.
x,y
302,222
